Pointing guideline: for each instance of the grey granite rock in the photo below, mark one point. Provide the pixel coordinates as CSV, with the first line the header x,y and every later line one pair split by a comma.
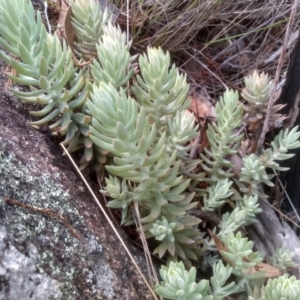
x,y
18,275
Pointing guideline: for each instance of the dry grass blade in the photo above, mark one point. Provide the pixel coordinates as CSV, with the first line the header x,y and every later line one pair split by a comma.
x,y
151,269
291,203
110,223
278,72
216,43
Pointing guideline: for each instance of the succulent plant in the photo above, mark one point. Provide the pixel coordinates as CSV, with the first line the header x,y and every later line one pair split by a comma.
x,y
218,281
240,248
242,215
47,67
131,117
254,172
161,90
284,141
217,194
178,236
223,142
282,259
257,89
257,92
180,284
87,22
181,130
124,131
280,288
113,63
163,230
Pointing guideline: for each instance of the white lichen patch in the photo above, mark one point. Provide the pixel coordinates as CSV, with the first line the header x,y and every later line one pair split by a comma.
x,y
105,278
45,240
19,271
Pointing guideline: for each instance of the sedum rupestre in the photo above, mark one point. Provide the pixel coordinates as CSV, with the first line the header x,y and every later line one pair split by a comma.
x,y
129,115
160,89
222,138
281,288
257,92
282,259
88,22
179,284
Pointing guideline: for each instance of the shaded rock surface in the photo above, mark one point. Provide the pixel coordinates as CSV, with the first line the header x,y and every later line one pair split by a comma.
x,y
40,258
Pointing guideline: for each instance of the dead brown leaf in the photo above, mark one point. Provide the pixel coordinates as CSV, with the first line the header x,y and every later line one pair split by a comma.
x,y
220,246
204,112
218,242
61,19
202,107
69,31
269,270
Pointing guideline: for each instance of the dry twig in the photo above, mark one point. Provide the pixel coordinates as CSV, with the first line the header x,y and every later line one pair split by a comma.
x,y
47,212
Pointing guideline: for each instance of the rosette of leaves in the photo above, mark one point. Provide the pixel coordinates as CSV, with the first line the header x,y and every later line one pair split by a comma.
x,y
218,281
241,256
160,89
243,214
181,130
258,88
222,139
108,106
283,287
113,63
282,259
178,236
217,194
163,230
87,22
180,284
254,173
257,92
